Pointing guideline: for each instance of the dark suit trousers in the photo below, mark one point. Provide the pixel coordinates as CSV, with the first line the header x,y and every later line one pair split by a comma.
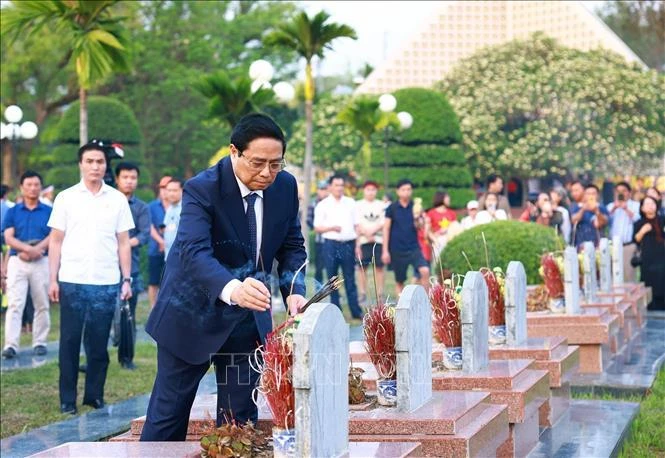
x,y
177,382
92,306
342,254
125,352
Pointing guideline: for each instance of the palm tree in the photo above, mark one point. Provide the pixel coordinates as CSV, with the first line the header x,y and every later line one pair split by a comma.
x,y
309,37
363,115
230,99
97,42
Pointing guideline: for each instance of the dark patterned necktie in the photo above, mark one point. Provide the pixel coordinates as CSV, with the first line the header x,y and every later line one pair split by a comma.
x,y
251,223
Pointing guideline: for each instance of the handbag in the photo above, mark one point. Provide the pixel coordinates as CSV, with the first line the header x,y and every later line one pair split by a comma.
x,y
636,259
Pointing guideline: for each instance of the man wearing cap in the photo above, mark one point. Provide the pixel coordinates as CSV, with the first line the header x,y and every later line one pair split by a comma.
x,y
319,261
370,215
469,221
156,245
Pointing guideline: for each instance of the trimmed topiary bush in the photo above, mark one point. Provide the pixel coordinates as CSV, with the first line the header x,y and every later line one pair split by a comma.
x,y
429,152
506,241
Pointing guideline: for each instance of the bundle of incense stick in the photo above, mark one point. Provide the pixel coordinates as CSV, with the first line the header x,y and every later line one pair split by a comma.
x,y
326,290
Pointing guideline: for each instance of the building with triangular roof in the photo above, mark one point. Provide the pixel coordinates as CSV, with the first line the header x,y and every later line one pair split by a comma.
x,y
459,28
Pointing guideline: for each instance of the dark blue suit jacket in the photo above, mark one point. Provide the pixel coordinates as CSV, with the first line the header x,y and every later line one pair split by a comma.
x,y
212,248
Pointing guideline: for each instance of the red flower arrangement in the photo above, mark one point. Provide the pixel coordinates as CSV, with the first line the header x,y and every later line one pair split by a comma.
x,y
552,276
379,330
497,305
446,322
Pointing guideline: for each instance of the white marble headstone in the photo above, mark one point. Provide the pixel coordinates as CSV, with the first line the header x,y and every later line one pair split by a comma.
x,y
617,261
590,274
571,280
475,316
515,299
320,381
413,344
605,266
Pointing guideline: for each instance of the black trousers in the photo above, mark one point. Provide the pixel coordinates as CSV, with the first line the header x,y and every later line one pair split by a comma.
x,y
92,307
177,382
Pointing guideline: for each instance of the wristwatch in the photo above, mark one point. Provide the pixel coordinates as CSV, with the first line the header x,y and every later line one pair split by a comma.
x,y
127,280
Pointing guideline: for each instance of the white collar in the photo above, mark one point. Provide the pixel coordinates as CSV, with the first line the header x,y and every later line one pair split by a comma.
x,y
83,188
245,191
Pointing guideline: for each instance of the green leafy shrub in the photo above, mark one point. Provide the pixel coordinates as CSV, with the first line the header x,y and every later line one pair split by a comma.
x,y
506,241
435,120
108,119
429,152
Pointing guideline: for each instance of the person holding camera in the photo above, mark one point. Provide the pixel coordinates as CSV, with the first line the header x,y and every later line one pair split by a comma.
x,y
624,213
650,236
589,217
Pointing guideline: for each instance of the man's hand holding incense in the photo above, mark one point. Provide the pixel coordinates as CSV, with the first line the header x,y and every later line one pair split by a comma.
x,y
251,294
295,302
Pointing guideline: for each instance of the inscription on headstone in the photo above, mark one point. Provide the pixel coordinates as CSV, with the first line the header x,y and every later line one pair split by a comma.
x,y
320,381
571,280
413,344
515,304
617,261
590,273
605,266
475,351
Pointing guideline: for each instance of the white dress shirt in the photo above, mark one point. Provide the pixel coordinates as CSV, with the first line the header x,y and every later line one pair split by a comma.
x,y
91,222
226,293
333,212
621,225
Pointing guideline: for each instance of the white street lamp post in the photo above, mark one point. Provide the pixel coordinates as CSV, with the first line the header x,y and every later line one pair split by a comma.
x,y
387,104
14,132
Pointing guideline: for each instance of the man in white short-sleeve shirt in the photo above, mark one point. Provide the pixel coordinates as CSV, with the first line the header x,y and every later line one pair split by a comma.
x,y
89,250
334,219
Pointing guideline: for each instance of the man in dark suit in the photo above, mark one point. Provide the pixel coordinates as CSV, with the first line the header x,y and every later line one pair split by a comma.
x,y
213,305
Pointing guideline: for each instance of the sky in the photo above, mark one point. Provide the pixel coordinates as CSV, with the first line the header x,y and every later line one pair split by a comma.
x,y
381,27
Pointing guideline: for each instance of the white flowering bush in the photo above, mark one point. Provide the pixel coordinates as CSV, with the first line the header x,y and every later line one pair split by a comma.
x,y
533,107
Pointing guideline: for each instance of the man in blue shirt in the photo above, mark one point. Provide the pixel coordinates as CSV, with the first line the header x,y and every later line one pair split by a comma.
x,y
172,216
400,238
156,246
27,234
589,217
127,178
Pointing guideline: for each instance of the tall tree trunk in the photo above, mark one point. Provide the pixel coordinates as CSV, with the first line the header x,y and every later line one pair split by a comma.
x,y
307,167
7,154
83,117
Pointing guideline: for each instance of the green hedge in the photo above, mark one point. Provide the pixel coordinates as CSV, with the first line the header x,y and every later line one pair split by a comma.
x,y
108,119
506,241
443,177
418,155
434,120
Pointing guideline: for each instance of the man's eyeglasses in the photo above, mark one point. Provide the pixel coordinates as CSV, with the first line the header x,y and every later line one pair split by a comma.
x,y
258,165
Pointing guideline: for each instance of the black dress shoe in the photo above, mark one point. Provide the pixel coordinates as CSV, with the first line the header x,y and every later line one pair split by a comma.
x,y
68,408
83,368
128,365
95,403
40,350
8,353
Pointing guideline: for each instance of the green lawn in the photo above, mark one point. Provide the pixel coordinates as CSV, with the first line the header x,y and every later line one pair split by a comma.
x,y
647,438
29,398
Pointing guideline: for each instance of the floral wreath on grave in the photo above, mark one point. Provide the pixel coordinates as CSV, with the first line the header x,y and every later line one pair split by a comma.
x,y
446,302
274,362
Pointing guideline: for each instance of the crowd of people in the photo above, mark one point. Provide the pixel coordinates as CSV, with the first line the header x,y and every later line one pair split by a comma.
x,y
83,248
83,251
403,233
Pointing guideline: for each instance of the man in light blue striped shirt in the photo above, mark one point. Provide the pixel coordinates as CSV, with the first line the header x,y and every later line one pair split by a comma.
x,y
623,213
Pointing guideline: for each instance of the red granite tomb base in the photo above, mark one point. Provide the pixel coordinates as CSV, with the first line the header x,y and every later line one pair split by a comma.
x,y
451,424
593,330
